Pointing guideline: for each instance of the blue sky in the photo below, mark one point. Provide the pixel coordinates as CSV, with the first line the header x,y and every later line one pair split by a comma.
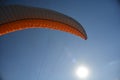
x,y
43,54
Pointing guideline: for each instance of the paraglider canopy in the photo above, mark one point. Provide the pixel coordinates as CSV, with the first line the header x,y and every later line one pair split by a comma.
x,y
17,17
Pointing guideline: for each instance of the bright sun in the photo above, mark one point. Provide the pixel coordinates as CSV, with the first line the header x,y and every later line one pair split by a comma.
x,y
82,72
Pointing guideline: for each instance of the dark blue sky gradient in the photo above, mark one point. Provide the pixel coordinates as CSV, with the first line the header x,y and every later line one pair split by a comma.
x,y
43,54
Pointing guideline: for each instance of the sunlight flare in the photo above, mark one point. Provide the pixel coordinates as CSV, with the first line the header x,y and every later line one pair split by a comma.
x,y
82,72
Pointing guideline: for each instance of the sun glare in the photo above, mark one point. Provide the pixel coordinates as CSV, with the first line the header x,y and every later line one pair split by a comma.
x,y
82,72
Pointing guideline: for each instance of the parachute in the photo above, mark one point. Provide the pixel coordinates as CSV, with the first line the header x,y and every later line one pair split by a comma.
x,y
18,17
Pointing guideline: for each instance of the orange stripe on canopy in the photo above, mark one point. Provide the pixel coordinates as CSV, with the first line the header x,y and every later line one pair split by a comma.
x,y
26,24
